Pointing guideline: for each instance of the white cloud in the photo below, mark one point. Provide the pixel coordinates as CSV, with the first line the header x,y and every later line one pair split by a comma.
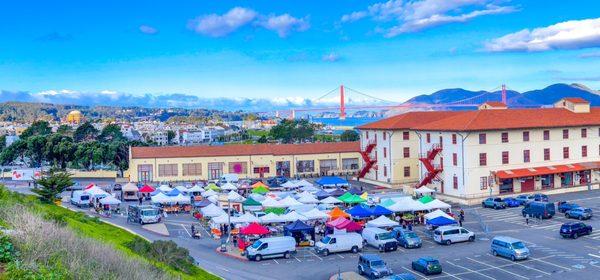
x,y
220,25
284,24
413,16
590,55
146,29
574,34
331,57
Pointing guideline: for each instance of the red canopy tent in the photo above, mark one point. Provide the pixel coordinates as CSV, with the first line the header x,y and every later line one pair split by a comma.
x,y
147,189
89,186
336,222
254,229
343,223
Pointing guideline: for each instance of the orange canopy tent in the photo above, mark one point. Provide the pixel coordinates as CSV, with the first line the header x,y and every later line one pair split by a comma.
x,y
337,213
259,184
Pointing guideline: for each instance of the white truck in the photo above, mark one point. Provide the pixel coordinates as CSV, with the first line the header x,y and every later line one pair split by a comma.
x,y
342,242
80,198
380,239
272,247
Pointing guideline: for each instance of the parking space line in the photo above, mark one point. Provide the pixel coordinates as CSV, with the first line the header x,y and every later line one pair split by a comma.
x,y
275,261
339,256
185,230
595,256
528,267
315,255
473,271
443,272
546,262
297,259
413,273
499,268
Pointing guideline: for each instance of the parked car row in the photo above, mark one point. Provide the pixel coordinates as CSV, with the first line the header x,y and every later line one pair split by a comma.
x,y
520,200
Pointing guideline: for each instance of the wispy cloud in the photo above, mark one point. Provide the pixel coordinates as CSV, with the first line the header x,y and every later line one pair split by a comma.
x,y
55,37
331,57
146,29
413,16
574,34
215,25
590,55
284,24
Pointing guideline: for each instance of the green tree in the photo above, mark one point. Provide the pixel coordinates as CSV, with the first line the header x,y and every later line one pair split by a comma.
x,y
111,132
289,131
2,142
15,151
60,150
36,150
85,132
262,139
36,128
65,130
349,136
170,136
51,184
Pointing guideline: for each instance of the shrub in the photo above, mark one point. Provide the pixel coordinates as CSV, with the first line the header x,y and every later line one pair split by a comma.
x,y
7,250
19,271
164,251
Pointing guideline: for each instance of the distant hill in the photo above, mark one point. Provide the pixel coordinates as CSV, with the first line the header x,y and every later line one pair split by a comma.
x,y
545,96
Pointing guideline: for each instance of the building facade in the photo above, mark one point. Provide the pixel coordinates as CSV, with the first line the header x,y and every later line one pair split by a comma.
x,y
159,164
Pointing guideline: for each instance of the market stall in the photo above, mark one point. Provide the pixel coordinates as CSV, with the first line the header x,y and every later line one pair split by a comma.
x,y
130,191
299,231
382,222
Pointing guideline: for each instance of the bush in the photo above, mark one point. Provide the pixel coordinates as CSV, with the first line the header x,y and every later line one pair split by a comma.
x,y
164,251
7,250
19,271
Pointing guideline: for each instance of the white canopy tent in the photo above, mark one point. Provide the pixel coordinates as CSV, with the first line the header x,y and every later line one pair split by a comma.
x,y
315,214
234,197
160,198
424,190
437,213
110,200
219,220
293,216
289,201
228,187
271,202
310,199
209,193
195,188
382,221
212,211
407,205
437,204
165,188
311,189
289,185
303,183
246,218
271,218
257,197
182,189
330,200
213,198
96,192
180,198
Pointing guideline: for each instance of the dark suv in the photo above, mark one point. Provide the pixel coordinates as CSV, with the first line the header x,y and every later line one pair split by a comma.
x,y
574,230
372,266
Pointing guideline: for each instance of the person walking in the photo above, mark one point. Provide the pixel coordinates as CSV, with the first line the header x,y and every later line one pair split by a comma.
x,y
410,226
140,199
527,219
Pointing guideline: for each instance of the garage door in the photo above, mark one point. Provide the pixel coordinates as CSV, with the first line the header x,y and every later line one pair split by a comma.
x,y
528,185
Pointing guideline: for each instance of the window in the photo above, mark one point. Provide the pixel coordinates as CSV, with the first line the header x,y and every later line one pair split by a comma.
x,y
367,134
405,135
350,163
428,137
546,134
305,166
525,136
384,152
483,183
526,156
482,138
238,167
165,170
504,137
455,182
454,159
482,159
583,151
584,133
565,134
565,152
192,169
406,152
327,165
384,171
407,171
384,136
453,138
547,154
259,170
215,170
505,157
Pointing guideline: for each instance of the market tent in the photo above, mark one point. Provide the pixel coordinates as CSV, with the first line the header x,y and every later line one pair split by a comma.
x,y
380,210
202,203
301,208
259,184
228,187
437,204
254,229
271,218
173,192
352,199
330,200
182,189
165,188
180,199
293,216
387,202
251,202
234,196
289,185
336,222
261,189
160,198
322,194
426,199
110,200
309,199
209,193
276,210
96,192
213,187
337,213
303,183
435,214
440,221
130,187
212,211
407,205
382,221
348,226
195,189
257,197
297,230
222,219
424,190
359,211
213,198
337,192
289,201
355,190
245,218
364,196
271,202
345,196
315,214
332,181
310,188
147,189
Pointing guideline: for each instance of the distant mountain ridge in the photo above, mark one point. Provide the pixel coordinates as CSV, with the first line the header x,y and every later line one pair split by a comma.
x,y
545,96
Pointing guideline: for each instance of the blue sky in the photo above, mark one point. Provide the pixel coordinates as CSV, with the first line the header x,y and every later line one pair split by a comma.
x,y
269,49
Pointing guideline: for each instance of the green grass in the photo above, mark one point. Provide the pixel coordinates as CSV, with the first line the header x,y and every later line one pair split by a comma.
x,y
258,133
94,228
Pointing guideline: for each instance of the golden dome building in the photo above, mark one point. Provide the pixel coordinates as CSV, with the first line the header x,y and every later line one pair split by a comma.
x,y
75,117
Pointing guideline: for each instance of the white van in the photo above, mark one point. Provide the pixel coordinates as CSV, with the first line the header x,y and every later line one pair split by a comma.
x,y
452,234
229,178
272,247
342,242
379,238
80,198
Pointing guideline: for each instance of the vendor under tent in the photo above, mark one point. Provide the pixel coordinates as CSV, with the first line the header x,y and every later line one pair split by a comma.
x,y
254,229
165,188
437,204
298,231
202,203
355,190
440,221
213,187
270,202
315,214
426,199
234,196
130,191
330,200
435,214
293,216
337,213
380,210
212,211
289,201
332,181
382,222
424,190
147,189
228,187
322,194
359,211
271,218
261,189
109,200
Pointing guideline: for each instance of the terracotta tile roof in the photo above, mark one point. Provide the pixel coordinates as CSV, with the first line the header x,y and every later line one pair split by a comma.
x,y
513,119
577,100
408,120
495,104
542,170
244,150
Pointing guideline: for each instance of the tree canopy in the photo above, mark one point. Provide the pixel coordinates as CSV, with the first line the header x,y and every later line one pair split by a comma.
x,y
39,128
290,131
349,136
51,184
85,132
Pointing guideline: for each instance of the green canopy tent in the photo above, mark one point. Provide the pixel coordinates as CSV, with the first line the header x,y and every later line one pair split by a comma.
x,y
387,203
213,186
351,199
426,199
251,202
260,190
274,210
346,195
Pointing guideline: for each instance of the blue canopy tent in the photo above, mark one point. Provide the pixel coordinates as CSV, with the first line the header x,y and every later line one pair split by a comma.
x,y
440,221
155,192
173,192
359,211
332,181
322,194
380,210
297,230
202,203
